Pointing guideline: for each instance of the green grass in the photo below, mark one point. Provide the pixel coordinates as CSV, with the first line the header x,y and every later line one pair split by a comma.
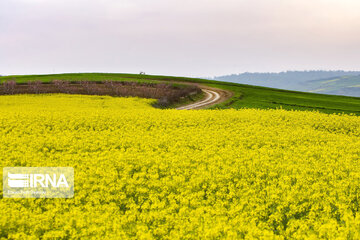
x,y
245,96
75,77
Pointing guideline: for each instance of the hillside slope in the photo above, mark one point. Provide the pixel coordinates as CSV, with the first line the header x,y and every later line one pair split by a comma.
x,y
327,82
344,85
245,96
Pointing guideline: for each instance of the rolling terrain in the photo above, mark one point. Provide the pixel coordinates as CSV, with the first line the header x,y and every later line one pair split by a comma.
x,y
148,173
343,85
243,96
327,82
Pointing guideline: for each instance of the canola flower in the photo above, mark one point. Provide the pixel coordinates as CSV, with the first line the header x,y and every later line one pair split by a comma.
x,y
145,173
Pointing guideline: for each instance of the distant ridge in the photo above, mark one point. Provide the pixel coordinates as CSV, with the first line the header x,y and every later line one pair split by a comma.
x,y
344,82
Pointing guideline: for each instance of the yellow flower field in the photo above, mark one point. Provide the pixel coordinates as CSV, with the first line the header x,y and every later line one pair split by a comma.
x,y
145,173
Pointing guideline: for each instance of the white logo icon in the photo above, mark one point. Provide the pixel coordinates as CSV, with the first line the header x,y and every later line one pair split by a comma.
x,y
18,180
36,180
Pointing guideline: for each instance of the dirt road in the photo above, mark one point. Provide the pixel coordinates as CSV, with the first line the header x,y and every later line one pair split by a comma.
x,y
212,96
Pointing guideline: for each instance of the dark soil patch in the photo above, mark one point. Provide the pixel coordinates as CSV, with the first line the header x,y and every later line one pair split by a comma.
x,y
166,94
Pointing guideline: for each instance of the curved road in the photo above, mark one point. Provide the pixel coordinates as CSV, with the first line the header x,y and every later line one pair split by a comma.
x,y
212,97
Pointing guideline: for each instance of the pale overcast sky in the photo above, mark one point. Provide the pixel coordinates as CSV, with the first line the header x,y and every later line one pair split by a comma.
x,y
178,37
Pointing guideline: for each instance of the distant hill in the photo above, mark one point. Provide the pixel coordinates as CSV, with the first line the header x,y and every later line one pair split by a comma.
x,y
328,82
344,85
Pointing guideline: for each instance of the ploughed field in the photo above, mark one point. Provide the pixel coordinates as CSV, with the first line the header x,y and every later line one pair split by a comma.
x,y
146,173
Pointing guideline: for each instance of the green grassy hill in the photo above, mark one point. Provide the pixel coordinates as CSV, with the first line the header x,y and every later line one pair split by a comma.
x,y
245,96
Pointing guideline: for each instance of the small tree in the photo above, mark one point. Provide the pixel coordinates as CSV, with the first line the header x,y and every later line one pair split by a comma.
x,y
9,87
88,86
35,86
62,86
